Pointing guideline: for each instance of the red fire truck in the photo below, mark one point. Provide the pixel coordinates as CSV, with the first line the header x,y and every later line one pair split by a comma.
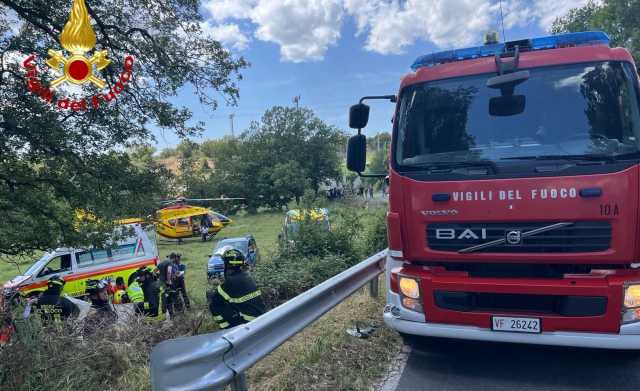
x,y
514,194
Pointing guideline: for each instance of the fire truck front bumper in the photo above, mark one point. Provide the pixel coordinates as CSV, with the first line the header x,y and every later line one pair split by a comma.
x,y
627,339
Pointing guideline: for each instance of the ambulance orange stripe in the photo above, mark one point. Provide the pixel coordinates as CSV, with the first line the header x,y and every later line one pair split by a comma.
x,y
80,276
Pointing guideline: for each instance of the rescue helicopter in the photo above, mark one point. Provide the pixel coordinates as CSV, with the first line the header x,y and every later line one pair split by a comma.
x,y
179,220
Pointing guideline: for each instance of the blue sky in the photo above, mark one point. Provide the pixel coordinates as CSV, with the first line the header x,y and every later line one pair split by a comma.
x,y
331,52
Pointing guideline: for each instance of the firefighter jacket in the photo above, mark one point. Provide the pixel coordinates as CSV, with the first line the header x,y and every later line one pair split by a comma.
x,y
151,292
54,308
238,300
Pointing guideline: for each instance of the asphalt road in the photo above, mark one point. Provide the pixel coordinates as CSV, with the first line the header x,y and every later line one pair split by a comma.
x,y
449,365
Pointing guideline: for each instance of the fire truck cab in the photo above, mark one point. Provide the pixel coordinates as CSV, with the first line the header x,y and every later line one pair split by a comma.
x,y
514,192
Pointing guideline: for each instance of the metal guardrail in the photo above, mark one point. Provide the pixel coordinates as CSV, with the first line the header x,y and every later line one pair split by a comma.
x,y
211,361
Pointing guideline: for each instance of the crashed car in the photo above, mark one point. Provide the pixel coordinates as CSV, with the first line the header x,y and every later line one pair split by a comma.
x,y
245,244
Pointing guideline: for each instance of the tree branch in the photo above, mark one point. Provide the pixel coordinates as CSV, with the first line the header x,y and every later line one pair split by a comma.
x,y
28,15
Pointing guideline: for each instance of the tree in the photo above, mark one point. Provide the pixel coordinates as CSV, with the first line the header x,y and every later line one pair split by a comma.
x,y
187,149
289,180
277,158
290,134
142,155
618,18
55,163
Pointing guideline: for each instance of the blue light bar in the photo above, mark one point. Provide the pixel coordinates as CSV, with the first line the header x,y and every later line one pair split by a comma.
x,y
541,43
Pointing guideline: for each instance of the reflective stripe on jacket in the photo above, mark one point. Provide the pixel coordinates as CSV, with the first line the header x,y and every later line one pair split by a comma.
x,y
135,293
238,300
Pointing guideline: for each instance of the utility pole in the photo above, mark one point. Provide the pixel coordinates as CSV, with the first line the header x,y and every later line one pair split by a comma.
x,y
231,116
296,100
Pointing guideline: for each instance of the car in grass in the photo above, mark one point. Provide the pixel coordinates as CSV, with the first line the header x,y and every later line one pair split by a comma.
x,y
245,244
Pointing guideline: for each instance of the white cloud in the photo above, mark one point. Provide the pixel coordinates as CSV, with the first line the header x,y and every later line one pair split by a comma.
x,y
394,25
516,13
229,9
227,34
548,10
304,29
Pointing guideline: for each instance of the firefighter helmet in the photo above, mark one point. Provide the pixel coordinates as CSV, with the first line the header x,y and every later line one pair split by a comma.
x,y
233,257
95,286
55,282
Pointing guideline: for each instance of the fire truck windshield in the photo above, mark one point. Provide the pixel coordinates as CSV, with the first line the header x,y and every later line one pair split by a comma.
x,y
588,109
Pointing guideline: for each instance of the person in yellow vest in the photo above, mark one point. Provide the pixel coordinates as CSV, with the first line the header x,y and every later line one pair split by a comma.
x,y
144,292
119,291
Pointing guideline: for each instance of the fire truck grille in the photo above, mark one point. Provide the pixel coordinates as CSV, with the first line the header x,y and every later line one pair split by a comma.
x,y
515,237
521,303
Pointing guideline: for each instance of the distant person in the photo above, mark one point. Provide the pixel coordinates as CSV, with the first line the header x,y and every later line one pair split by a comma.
x,y
204,232
52,307
176,282
145,293
119,291
237,300
162,277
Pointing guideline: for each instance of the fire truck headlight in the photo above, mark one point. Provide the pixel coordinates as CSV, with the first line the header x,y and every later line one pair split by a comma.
x,y
412,304
632,315
409,288
632,296
631,311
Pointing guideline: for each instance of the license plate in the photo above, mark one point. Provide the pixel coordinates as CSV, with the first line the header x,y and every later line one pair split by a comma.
x,y
516,325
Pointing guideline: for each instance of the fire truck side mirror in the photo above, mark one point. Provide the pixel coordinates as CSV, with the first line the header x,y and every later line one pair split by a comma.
x,y
358,116
357,153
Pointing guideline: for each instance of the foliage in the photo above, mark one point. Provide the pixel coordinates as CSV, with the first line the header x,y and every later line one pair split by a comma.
x,y
65,358
376,232
187,149
318,254
276,159
167,153
56,162
618,18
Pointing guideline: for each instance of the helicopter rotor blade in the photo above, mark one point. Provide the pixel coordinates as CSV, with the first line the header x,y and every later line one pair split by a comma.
x,y
169,202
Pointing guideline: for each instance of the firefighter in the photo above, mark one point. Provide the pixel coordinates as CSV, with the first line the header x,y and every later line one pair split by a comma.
x,y
98,292
237,300
52,307
144,292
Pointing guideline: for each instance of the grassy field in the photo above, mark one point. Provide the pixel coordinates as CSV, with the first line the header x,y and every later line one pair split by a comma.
x,y
195,253
322,357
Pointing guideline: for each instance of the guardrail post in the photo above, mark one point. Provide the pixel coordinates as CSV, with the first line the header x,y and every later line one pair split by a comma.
x,y
239,383
373,288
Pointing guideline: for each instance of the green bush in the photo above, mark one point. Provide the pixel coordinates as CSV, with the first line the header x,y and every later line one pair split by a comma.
x,y
318,254
376,232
